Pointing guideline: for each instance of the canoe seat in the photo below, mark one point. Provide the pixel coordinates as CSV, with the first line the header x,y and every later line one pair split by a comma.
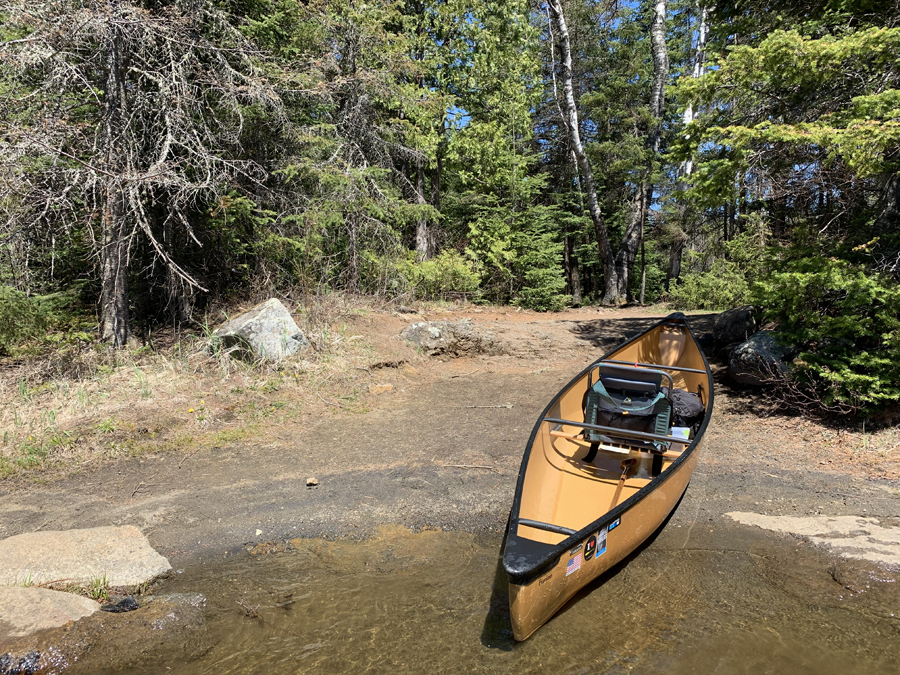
x,y
627,398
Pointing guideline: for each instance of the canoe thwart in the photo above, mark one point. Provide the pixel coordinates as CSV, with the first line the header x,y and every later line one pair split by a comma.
x,y
615,431
538,525
556,433
654,365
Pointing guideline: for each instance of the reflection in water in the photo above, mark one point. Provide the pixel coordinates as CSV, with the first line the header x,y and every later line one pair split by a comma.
x,y
436,602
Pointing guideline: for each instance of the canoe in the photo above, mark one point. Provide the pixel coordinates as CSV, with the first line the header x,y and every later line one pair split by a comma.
x,y
607,462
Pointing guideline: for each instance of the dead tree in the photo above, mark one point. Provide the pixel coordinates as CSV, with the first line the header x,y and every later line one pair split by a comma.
x,y
109,104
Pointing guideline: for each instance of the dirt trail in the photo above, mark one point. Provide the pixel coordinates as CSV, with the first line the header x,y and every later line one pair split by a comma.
x,y
412,458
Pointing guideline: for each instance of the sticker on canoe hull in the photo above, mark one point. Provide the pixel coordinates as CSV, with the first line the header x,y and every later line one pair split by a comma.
x,y
601,541
614,524
574,564
590,547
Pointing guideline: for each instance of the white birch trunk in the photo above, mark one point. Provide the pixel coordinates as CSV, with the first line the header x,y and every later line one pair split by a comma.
x,y
570,112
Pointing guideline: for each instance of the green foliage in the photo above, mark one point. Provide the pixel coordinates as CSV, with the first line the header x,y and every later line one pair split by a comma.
x,y
21,317
830,97
722,287
443,276
733,269
846,322
538,257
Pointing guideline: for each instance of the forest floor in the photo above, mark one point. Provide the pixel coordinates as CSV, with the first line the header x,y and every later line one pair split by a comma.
x,y
208,456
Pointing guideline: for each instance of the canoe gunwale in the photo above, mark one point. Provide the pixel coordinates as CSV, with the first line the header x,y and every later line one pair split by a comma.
x,y
525,576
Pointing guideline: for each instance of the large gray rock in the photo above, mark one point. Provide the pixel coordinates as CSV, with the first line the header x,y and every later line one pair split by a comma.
x,y
756,360
734,325
268,331
121,555
452,338
25,611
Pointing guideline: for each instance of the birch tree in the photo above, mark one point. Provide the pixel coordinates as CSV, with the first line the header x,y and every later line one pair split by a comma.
x,y
634,231
678,233
570,118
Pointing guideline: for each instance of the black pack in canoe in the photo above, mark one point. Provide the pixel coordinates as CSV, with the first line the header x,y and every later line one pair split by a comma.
x,y
606,463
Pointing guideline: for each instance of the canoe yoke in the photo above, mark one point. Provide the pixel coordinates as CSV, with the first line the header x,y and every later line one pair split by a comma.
x,y
626,400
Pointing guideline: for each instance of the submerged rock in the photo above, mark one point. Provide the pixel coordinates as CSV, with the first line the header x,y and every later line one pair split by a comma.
x,y
26,664
126,604
25,611
452,338
267,331
165,631
758,359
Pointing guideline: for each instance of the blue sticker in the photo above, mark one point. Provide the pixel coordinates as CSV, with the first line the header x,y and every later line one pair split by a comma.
x,y
614,524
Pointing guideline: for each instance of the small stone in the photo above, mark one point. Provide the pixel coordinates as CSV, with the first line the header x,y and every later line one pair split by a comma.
x,y
381,388
126,604
258,532
312,482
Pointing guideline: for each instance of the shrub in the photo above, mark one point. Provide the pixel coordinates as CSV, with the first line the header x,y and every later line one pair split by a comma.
x,y
537,266
722,287
543,290
445,274
21,317
846,322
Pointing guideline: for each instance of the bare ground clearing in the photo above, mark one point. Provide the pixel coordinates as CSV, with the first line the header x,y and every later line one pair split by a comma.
x,y
207,459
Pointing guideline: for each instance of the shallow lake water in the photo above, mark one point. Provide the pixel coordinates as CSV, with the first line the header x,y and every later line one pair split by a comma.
x,y
726,602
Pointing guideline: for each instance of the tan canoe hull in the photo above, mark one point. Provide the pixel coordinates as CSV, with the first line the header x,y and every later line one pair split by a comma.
x,y
532,605
578,512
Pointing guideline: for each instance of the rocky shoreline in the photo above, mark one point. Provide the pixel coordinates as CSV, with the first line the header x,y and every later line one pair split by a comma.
x,y
439,450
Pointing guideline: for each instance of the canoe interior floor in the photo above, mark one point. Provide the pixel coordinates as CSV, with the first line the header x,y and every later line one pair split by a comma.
x,y
563,490
576,493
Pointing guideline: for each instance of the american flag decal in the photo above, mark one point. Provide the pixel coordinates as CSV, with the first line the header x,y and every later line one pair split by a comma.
x,y
574,565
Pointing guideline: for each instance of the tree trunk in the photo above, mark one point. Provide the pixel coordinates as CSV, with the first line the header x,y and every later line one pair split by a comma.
x,y
436,181
114,253
888,219
634,233
422,248
628,247
179,293
423,251
675,253
687,166
352,251
571,264
572,126
115,239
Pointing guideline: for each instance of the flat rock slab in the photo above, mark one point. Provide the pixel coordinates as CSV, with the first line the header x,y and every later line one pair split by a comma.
x,y
75,557
848,536
452,338
25,611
